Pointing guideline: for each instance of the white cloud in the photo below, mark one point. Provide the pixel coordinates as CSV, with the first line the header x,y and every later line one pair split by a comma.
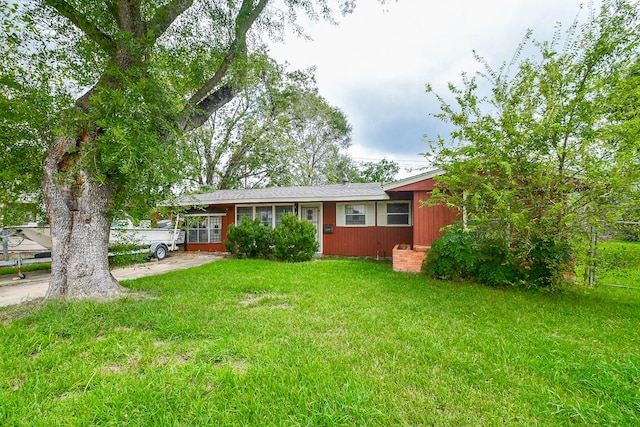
x,y
375,64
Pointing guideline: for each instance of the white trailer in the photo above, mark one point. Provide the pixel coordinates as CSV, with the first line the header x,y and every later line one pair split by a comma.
x,y
157,241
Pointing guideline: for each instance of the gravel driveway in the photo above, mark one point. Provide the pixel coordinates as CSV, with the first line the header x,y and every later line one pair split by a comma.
x,y
13,291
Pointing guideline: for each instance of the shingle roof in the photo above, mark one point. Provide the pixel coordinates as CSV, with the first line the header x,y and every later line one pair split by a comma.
x,y
335,192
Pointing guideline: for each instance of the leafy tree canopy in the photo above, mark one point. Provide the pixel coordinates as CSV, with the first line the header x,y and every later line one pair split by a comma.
x,y
548,144
99,96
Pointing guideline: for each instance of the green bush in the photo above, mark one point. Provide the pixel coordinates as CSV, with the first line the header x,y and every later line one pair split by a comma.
x,y
461,254
496,264
452,256
250,239
123,256
547,262
294,240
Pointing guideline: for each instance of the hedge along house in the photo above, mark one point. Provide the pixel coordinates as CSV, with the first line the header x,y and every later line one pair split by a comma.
x,y
351,219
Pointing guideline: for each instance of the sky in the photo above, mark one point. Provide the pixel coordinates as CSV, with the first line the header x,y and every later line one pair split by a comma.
x,y
376,63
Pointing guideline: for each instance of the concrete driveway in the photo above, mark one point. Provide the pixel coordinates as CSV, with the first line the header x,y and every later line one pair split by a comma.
x,y
13,291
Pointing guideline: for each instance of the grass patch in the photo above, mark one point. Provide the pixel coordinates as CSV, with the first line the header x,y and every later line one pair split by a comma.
x,y
330,342
25,268
619,264
120,259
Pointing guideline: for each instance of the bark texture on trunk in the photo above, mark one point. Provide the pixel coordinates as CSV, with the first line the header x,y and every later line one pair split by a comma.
x,y
77,209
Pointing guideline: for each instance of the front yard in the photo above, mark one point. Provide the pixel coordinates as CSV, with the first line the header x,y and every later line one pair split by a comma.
x,y
330,342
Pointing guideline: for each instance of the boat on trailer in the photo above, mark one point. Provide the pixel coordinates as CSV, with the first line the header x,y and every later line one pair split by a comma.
x,y
157,241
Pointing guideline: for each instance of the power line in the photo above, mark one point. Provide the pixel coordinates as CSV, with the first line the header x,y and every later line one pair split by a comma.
x,y
393,160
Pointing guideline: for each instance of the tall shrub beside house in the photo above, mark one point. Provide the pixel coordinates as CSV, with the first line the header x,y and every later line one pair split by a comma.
x,y
294,240
465,254
546,147
249,239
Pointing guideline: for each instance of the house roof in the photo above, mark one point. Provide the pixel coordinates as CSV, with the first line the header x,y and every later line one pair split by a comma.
x,y
318,193
390,186
335,192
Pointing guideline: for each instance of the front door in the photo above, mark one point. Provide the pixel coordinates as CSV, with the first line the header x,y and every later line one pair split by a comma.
x,y
313,214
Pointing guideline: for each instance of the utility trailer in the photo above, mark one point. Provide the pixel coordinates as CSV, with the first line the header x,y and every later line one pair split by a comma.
x,y
155,241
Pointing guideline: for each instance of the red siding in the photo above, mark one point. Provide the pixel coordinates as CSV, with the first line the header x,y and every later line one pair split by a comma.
x,y
361,241
428,220
229,218
425,185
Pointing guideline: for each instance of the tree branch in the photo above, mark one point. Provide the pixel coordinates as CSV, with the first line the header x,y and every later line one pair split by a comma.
x,y
204,103
200,113
165,16
245,19
87,27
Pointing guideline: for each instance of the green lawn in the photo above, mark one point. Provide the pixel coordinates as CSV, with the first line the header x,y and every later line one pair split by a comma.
x,y
330,342
619,264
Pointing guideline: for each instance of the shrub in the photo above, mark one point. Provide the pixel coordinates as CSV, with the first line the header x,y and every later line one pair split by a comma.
x,y
452,256
547,262
459,254
251,239
496,264
124,254
294,240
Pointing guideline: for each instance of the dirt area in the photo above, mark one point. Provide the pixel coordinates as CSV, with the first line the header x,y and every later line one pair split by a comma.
x,y
14,291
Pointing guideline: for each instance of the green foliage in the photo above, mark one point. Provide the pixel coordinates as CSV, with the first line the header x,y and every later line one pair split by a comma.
x,y
618,264
546,146
616,255
496,264
25,268
383,171
461,254
628,232
453,256
278,131
250,239
294,240
547,262
338,342
123,254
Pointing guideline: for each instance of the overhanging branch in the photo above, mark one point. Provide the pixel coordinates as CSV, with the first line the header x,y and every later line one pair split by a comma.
x,y
165,16
206,101
80,21
245,19
205,108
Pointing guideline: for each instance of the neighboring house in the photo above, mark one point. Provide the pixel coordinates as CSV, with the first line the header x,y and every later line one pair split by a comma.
x,y
351,219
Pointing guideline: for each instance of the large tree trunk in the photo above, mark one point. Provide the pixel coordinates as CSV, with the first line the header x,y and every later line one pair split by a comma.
x,y
77,206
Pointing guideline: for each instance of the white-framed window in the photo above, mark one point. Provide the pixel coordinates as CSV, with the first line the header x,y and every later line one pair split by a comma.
x,y
205,229
281,210
397,213
242,211
265,214
355,214
270,215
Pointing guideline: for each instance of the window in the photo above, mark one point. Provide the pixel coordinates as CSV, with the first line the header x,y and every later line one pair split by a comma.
x,y
241,212
360,214
355,215
397,214
265,213
394,213
270,215
281,210
206,229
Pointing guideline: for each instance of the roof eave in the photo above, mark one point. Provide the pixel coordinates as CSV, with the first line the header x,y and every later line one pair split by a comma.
x,y
356,198
413,179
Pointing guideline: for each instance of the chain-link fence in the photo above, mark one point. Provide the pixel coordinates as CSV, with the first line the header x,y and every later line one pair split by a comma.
x,y
614,255
622,231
